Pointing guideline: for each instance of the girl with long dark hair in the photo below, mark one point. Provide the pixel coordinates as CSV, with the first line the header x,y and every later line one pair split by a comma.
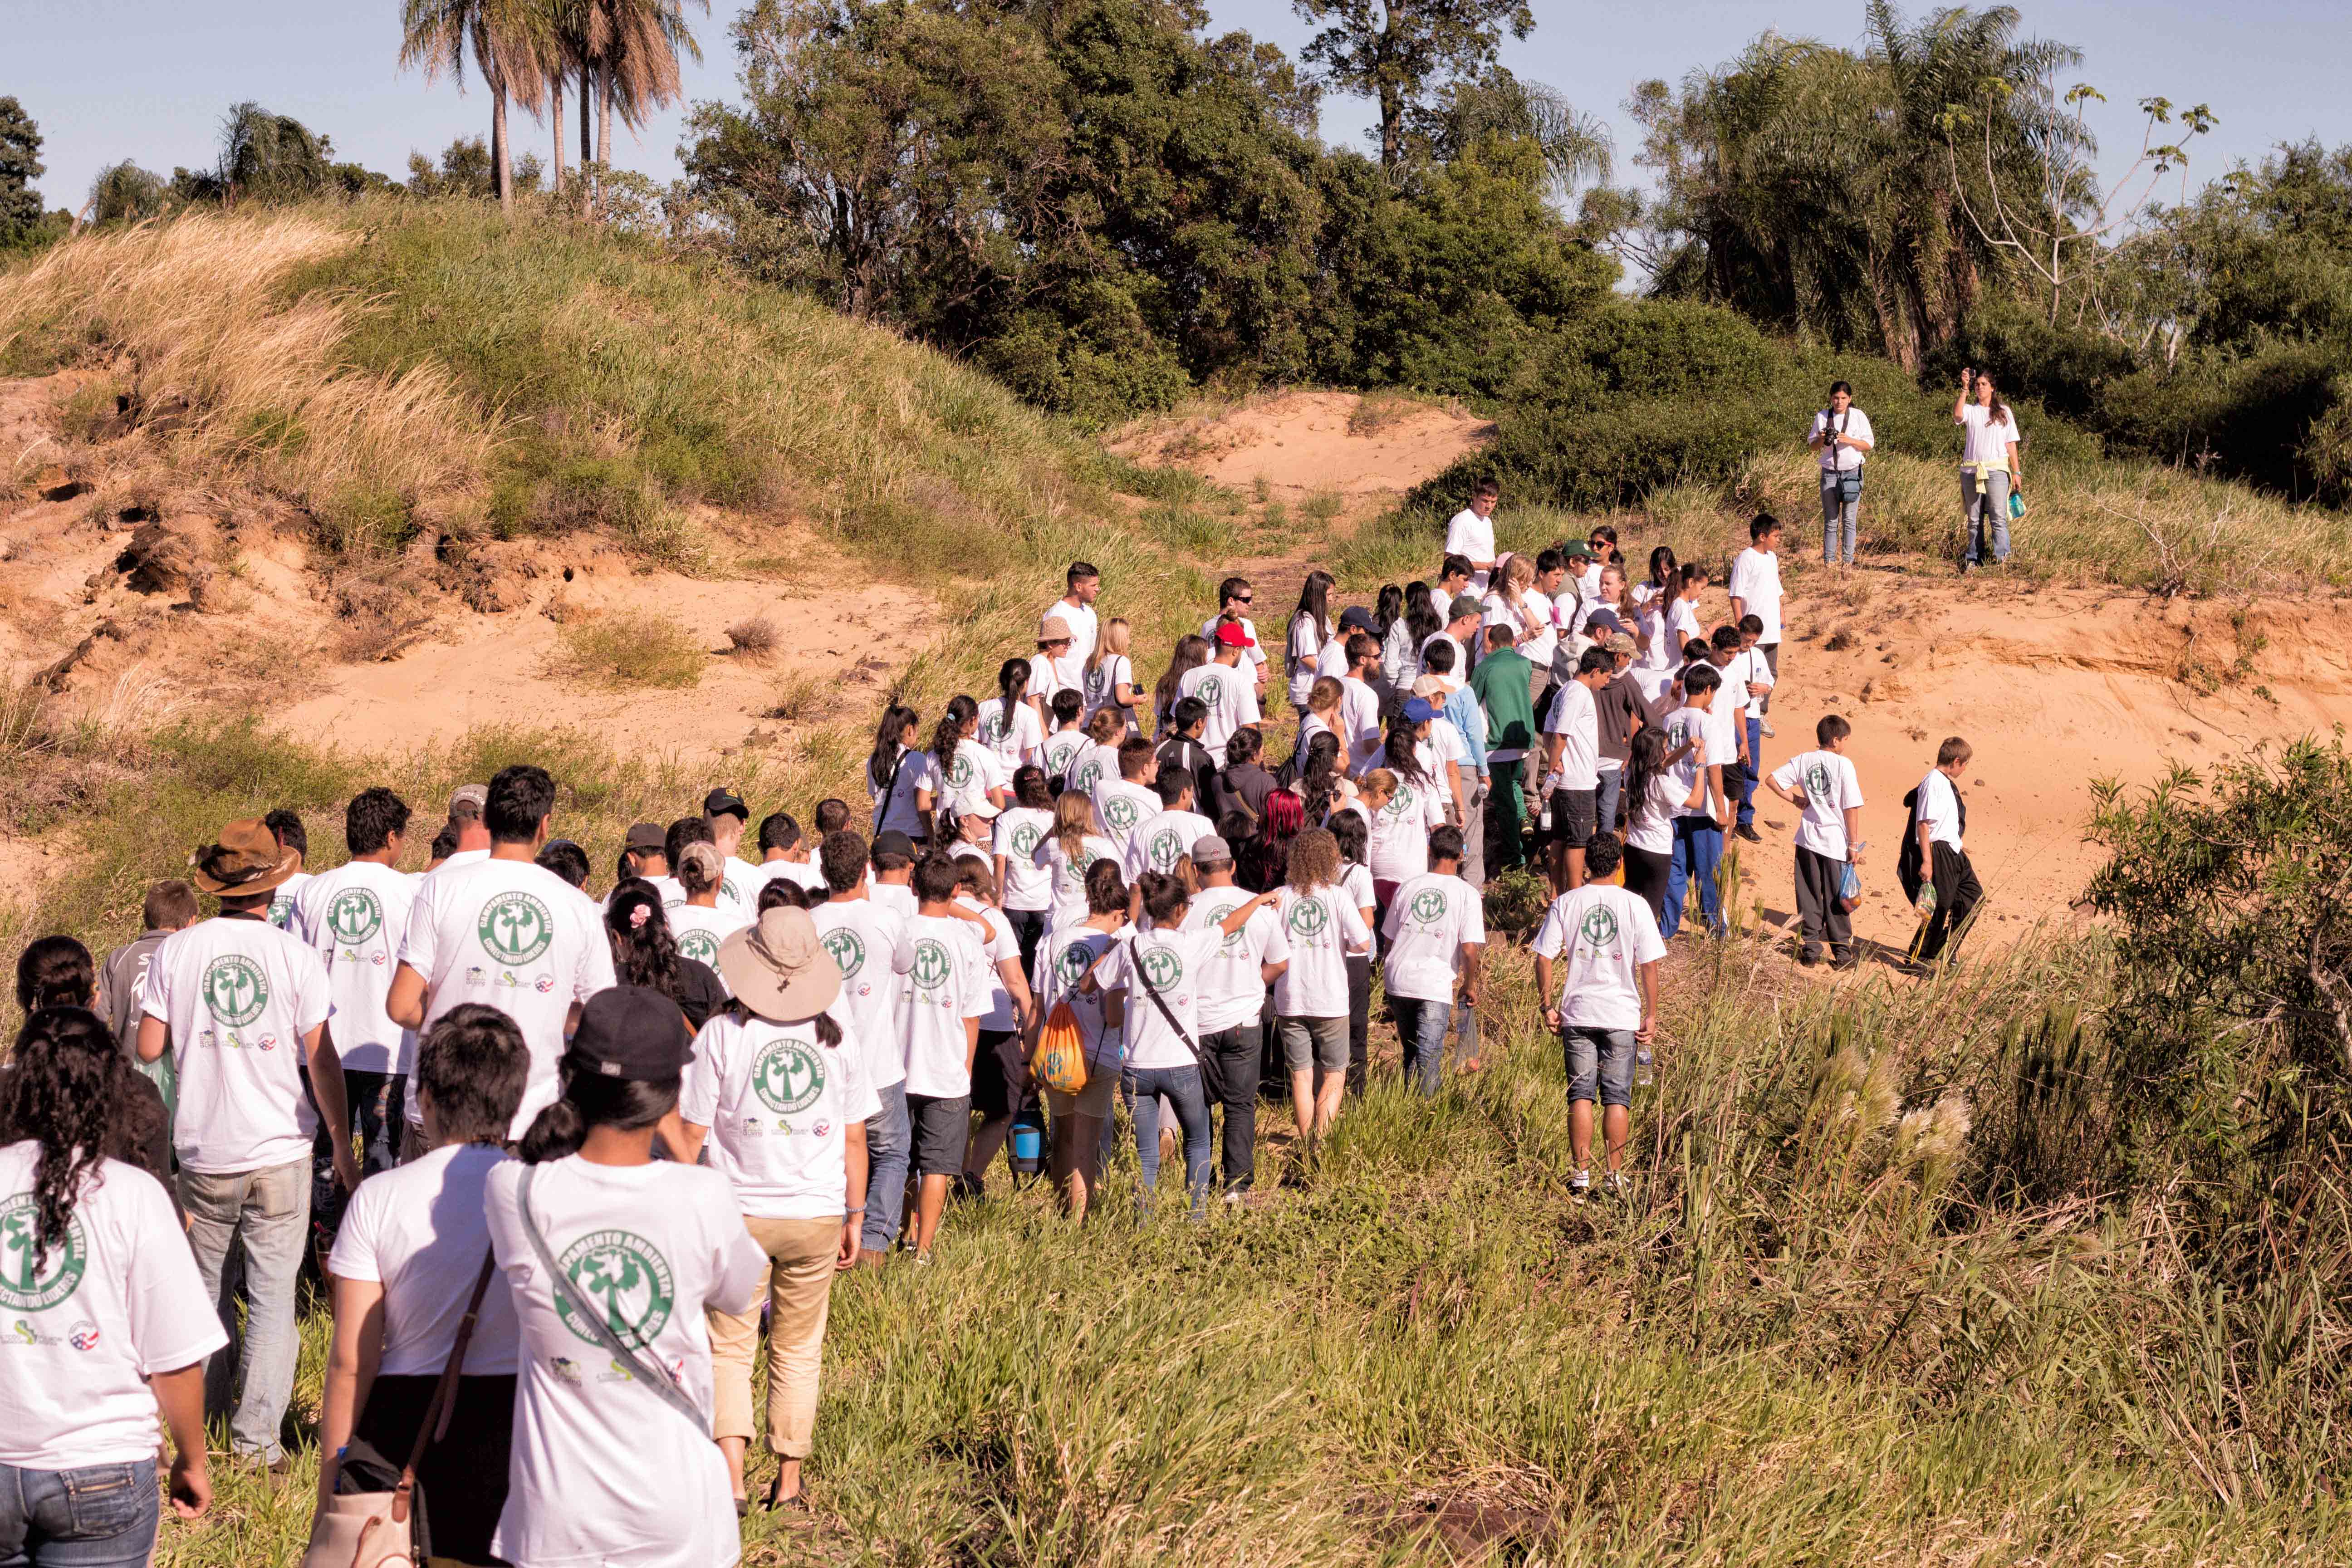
x,y
893,770
113,1319
58,972
1651,805
1665,571
1400,645
1010,726
1310,628
644,952
614,1261
1192,652
1989,466
957,771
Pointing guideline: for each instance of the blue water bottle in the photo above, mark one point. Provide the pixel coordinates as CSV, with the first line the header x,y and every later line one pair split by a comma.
x,y
1028,1142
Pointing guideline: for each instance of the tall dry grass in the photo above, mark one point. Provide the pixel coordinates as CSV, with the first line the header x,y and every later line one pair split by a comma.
x,y
228,370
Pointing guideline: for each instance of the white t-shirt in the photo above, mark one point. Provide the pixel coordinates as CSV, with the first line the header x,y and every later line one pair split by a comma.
x,y
1461,670
1731,696
1019,831
806,874
1471,537
1540,643
1398,844
1000,948
1853,422
897,813
1356,883
419,1230
1061,750
1304,649
1429,919
1231,699
1668,625
1831,786
778,1102
738,884
1122,807
1756,583
1070,951
1068,877
1175,961
658,1246
1359,720
1158,842
1698,726
1331,660
87,1323
1984,442
353,918
973,771
942,974
1094,765
1048,678
1013,743
1084,623
1606,934
1940,808
698,931
1322,928
899,898
863,937
240,994
281,902
1101,686
518,938
1577,721
1232,992
1651,827
1252,656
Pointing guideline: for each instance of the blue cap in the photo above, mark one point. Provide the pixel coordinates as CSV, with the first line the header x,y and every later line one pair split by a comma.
x,y
1418,711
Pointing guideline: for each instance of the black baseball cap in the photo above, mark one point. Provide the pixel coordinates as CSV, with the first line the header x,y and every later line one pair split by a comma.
x,y
1356,616
893,842
632,1032
643,837
725,802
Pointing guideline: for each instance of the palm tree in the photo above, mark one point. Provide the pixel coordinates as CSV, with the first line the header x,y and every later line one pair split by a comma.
x,y
507,38
634,50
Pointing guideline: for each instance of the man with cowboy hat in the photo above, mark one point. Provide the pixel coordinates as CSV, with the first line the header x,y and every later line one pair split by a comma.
x,y
787,1094
242,1006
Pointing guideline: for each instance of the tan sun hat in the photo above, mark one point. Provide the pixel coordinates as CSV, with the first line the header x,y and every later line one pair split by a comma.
x,y
778,968
1054,628
245,860
1433,688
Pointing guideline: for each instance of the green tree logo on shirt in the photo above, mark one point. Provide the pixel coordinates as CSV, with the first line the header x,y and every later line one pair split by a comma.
x,y
698,945
959,771
234,991
994,729
1088,776
789,1076
1026,839
1308,917
1222,912
1401,803
729,888
1058,752
1817,783
31,1279
354,917
1428,907
1599,926
1211,691
1120,812
932,966
1072,966
1165,848
625,1276
1163,968
847,949
515,927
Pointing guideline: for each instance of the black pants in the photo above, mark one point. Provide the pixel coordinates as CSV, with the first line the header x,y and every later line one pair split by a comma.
x,y
372,1101
463,1477
1957,892
1359,1019
1029,930
1229,1069
1645,877
1819,916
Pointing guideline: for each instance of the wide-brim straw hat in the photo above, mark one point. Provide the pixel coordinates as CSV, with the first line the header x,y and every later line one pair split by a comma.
x,y
245,861
779,968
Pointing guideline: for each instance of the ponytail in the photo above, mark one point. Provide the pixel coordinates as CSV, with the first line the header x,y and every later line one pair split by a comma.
x,y
1012,685
961,710
591,1100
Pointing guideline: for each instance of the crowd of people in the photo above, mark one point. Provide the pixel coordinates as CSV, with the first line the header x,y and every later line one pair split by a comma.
x,y
557,1156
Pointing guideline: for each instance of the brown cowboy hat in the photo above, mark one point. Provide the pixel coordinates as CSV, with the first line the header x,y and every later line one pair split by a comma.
x,y
245,860
779,968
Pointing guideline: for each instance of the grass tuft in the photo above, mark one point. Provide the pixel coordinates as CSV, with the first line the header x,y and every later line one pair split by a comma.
x,y
629,648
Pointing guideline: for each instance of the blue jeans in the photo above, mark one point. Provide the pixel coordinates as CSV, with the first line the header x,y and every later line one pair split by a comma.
x,y
1421,1027
102,1515
1835,510
1182,1088
1987,513
890,1141
1747,814
1605,804
1698,849
266,1215
1600,1063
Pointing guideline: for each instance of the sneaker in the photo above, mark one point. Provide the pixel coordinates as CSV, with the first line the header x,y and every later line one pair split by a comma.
x,y
1849,958
1581,1184
1618,1186
1808,957
1748,831
1768,733
923,1258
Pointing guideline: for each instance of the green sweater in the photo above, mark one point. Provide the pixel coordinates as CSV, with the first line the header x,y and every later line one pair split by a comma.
x,y
1501,681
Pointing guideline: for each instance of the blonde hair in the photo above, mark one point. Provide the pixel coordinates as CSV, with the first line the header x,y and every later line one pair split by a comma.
x,y
1114,639
1519,576
1380,782
1314,861
1323,697
1073,819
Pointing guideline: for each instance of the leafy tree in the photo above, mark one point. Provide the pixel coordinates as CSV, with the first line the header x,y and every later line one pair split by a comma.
x,y
20,165
1397,52
464,171
127,194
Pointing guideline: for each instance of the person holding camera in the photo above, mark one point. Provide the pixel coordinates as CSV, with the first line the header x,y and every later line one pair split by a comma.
x,y
1843,436
1988,471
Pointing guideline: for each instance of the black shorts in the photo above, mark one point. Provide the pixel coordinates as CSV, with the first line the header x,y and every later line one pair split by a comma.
x,y
1572,814
1000,1075
942,1127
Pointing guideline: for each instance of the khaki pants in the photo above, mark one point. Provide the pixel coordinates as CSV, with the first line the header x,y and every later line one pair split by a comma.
x,y
801,1254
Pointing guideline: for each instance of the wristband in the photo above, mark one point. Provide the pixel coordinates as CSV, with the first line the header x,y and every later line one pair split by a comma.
x,y
859,1209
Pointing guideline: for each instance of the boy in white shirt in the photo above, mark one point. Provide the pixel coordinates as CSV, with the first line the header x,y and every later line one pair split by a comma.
x,y
1164,841
1693,731
729,820
1572,766
1754,590
1121,804
1607,1004
1429,966
1824,785
1934,856
1470,533
1230,698
944,977
1234,597
1734,716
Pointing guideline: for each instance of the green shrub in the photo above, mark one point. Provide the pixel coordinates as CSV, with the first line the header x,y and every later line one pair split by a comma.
x,y
628,648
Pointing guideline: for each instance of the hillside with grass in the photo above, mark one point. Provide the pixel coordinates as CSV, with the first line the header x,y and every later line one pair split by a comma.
x,y
2044,1260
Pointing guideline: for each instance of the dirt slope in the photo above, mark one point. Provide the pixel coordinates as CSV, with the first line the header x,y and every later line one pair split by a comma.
x,y
1307,443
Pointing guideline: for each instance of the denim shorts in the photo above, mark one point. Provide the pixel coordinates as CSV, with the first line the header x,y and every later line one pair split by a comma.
x,y
104,1515
943,1126
1311,1043
1599,1058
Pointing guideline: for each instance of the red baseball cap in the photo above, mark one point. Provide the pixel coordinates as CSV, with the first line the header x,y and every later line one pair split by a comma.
x,y
1232,635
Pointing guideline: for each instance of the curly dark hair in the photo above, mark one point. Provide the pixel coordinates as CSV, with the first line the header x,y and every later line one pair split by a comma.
x,y
64,1089
54,972
643,951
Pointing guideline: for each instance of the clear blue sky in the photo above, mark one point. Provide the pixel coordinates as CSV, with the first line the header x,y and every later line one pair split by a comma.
x,y
149,80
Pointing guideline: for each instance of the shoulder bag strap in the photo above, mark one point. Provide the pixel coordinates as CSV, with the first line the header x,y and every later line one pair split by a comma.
x,y
1161,1002
584,1312
435,1424
882,812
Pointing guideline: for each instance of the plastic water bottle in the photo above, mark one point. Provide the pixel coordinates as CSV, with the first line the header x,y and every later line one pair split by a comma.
x,y
1642,1074
1028,1142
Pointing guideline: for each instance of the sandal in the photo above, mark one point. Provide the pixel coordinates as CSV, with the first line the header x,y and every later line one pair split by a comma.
x,y
796,1504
